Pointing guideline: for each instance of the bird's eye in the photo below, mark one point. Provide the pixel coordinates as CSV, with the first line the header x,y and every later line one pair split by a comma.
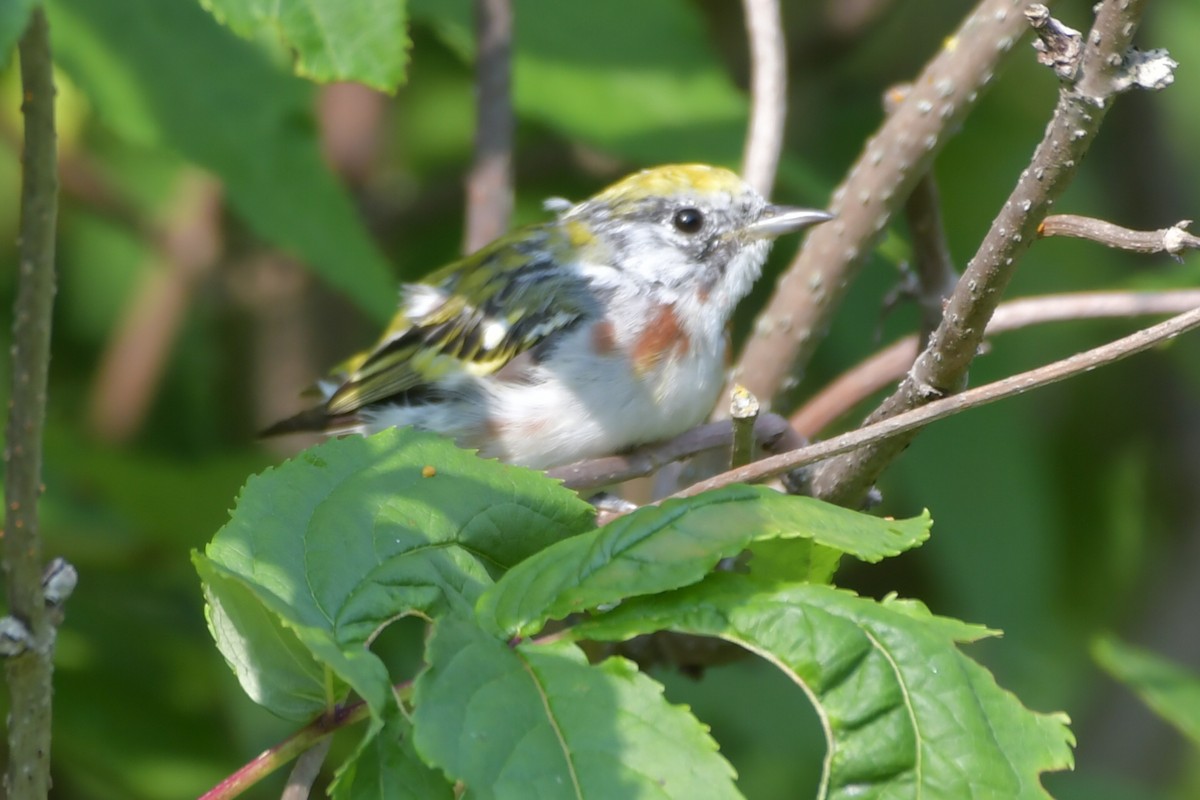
x,y
688,220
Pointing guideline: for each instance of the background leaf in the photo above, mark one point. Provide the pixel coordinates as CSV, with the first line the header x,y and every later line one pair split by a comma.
x,y
571,729
364,41
651,91
905,713
387,768
1170,690
245,121
14,17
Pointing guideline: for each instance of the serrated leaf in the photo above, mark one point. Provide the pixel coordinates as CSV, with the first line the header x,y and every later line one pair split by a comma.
x,y
388,768
652,91
357,532
1172,691
905,713
273,666
14,18
246,121
537,722
332,40
658,548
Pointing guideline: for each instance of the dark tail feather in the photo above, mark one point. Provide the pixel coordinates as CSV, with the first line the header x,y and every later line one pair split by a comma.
x,y
312,420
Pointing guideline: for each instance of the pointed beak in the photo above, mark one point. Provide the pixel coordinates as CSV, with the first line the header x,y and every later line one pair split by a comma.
x,y
778,220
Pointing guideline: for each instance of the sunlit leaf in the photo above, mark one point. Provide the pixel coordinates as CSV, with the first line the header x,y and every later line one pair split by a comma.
x,y
905,713
365,41
538,721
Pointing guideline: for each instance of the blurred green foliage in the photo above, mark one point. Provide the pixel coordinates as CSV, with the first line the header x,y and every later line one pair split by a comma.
x,y
1059,514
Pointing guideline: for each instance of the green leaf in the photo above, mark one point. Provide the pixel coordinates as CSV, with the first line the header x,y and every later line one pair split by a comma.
x,y
388,768
1170,690
535,722
905,713
14,18
165,74
652,91
357,532
658,548
365,41
271,663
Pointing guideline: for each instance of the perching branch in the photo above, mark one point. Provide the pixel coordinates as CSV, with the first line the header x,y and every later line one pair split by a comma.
x,y
814,285
29,673
1172,241
768,93
941,368
889,365
489,184
901,424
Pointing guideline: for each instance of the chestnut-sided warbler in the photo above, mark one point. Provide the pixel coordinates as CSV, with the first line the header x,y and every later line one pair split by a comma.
x,y
579,337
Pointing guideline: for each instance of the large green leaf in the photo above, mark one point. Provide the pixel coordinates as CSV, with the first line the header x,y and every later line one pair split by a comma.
x,y
365,41
638,79
905,713
357,532
1172,691
164,73
14,17
537,722
658,548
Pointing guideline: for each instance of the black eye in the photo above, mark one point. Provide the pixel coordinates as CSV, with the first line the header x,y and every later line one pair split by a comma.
x,y
688,220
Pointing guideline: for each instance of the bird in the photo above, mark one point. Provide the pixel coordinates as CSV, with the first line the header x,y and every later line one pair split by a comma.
x,y
582,336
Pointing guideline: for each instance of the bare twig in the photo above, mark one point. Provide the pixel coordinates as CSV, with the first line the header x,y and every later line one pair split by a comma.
x,y
306,770
942,367
743,412
1173,240
489,184
815,283
768,93
933,267
940,409
773,433
889,365
30,672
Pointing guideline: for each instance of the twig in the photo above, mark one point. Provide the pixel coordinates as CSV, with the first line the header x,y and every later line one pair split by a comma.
x,y
1173,240
305,771
940,409
942,367
29,673
889,365
768,93
773,433
743,411
798,315
299,742
489,184
933,266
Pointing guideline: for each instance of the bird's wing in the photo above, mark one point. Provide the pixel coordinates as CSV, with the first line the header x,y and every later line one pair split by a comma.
x,y
471,317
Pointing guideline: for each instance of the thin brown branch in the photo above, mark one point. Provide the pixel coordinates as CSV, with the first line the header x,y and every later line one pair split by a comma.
x,y
30,673
799,313
932,265
772,432
489,184
1173,240
941,368
768,93
889,365
917,418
